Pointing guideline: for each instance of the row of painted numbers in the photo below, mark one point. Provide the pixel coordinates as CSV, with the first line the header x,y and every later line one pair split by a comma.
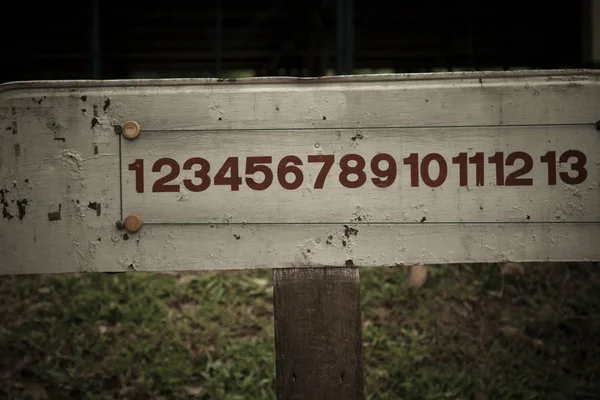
x,y
383,167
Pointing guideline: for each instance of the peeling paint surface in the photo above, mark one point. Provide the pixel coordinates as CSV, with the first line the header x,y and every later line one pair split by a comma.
x,y
67,177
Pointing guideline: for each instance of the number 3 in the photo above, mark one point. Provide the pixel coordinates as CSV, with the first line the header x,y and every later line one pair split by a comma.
x,y
578,166
202,174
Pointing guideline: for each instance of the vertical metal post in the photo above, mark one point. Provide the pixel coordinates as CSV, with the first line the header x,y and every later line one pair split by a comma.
x,y
345,36
95,35
219,37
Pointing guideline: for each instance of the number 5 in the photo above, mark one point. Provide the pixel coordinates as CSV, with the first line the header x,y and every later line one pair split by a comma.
x,y
252,166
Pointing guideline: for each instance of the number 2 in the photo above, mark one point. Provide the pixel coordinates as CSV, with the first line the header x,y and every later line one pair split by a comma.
x,y
514,178
161,184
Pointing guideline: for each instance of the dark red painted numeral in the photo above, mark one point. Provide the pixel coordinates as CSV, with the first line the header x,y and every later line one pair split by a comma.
x,y
327,160
463,174
234,180
515,177
138,167
443,170
161,184
202,174
257,164
283,169
498,159
463,169
413,161
357,169
385,177
578,166
461,160
478,160
550,159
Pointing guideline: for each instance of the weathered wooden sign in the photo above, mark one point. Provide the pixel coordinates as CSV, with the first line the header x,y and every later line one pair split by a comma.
x,y
278,172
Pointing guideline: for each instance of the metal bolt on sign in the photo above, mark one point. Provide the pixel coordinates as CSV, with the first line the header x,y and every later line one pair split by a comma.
x,y
131,130
132,223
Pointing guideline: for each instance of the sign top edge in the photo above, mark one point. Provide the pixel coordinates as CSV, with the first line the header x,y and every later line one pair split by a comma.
x,y
398,77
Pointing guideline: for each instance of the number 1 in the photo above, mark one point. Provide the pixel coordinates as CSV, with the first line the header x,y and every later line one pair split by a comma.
x,y
138,167
550,158
498,159
478,159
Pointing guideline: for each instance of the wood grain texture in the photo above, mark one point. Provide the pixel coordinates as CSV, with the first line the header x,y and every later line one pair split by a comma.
x,y
60,172
318,336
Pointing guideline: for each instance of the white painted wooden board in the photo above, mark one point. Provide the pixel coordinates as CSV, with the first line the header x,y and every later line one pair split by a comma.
x,y
66,177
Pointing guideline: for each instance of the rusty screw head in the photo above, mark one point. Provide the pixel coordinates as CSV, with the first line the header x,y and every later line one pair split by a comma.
x,y
118,129
119,225
131,130
132,223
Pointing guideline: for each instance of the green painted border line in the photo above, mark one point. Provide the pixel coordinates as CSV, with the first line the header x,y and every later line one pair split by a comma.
x,y
381,223
590,124
121,177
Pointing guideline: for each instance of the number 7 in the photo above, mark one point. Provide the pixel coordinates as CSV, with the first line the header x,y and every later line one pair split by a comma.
x,y
327,160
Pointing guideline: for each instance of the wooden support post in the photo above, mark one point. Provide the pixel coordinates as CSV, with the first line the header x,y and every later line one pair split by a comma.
x,y
318,333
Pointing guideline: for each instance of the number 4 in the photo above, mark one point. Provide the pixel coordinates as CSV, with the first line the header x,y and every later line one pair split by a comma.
x,y
234,180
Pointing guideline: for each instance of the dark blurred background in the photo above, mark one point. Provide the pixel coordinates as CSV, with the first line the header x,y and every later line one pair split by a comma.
x,y
141,39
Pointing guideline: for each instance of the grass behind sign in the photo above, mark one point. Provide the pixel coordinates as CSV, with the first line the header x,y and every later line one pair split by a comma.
x,y
210,335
